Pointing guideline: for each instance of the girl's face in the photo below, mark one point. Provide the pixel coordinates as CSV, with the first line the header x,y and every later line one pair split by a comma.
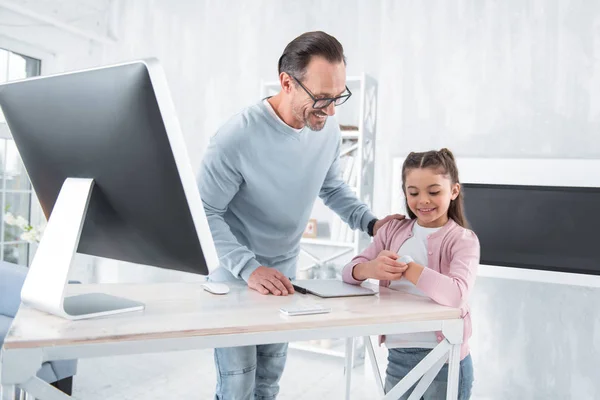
x,y
428,194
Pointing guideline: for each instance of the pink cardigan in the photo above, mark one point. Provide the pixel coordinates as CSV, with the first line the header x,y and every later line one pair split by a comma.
x,y
452,265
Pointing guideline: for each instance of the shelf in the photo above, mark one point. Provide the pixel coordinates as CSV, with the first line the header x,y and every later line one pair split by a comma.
x,y
338,350
348,150
326,242
350,132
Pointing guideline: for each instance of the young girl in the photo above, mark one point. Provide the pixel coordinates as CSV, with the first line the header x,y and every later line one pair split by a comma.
x,y
432,254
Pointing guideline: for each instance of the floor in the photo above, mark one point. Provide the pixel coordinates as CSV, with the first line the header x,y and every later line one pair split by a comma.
x,y
191,375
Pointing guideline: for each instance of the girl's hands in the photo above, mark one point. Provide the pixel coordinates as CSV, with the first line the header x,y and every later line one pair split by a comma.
x,y
384,268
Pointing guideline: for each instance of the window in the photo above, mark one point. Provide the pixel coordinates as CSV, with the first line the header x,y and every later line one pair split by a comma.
x,y
15,189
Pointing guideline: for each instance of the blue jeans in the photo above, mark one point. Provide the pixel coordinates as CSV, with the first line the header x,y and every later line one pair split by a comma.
x,y
401,361
250,372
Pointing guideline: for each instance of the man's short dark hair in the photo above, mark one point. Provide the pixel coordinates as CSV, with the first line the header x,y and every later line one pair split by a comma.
x,y
299,52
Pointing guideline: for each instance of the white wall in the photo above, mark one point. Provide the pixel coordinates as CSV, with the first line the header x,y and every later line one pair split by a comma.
x,y
490,79
501,80
517,78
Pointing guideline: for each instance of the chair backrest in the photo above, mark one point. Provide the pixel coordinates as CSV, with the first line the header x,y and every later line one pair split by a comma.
x,y
12,277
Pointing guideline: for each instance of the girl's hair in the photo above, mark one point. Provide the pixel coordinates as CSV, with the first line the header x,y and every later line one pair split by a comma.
x,y
443,162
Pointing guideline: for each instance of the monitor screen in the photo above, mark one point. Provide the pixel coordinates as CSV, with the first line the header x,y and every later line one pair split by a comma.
x,y
117,126
536,227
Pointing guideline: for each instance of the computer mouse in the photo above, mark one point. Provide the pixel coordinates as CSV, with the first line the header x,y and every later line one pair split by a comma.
x,y
215,287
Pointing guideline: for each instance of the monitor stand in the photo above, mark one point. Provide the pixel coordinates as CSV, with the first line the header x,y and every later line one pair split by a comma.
x,y
44,287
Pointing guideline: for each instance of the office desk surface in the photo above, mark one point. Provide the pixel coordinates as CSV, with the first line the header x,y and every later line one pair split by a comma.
x,y
179,310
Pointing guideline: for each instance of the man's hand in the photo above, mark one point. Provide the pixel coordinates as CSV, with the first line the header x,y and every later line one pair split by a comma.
x,y
384,267
384,221
267,280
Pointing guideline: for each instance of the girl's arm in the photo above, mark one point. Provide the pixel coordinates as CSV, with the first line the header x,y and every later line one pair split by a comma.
x,y
380,243
453,289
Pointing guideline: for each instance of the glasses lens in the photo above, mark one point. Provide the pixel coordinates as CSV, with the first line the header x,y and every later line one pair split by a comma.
x,y
322,103
341,100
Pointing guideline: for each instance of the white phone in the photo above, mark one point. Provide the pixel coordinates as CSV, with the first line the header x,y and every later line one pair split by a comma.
x,y
305,310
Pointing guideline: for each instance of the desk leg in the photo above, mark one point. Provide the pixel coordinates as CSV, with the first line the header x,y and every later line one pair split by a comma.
x,y
43,391
453,373
374,366
426,364
7,392
349,356
426,380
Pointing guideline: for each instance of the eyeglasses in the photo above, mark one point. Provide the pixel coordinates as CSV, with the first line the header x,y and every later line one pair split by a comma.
x,y
322,103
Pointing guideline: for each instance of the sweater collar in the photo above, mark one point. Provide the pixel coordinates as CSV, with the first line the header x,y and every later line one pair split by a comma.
x,y
440,233
278,125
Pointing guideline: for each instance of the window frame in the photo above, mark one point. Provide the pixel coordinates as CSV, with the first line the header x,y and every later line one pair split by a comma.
x,y
48,65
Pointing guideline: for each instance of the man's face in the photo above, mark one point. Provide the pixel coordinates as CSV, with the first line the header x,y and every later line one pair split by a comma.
x,y
323,79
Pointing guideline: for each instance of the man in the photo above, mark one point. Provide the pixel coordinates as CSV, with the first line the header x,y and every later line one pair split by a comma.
x,y
259,179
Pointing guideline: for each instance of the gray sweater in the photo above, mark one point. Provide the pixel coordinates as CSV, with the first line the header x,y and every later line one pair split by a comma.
x,y
258,182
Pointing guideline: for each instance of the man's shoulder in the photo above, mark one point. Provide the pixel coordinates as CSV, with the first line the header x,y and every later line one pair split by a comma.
x,y
236,130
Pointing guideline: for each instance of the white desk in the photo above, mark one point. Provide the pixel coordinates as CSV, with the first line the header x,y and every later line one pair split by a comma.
x,y
182,316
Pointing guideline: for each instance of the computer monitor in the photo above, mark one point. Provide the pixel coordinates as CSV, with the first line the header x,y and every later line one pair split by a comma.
x,y
105,155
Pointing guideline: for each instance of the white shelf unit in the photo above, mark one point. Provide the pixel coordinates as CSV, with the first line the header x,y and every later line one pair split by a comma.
x,y
357,119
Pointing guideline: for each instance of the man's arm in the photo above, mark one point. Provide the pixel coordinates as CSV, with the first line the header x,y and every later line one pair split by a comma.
x,y
338,196
218,181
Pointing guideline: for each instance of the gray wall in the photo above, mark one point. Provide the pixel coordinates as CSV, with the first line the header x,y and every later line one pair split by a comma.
x,y
535,341
512,78
491,79
215,53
